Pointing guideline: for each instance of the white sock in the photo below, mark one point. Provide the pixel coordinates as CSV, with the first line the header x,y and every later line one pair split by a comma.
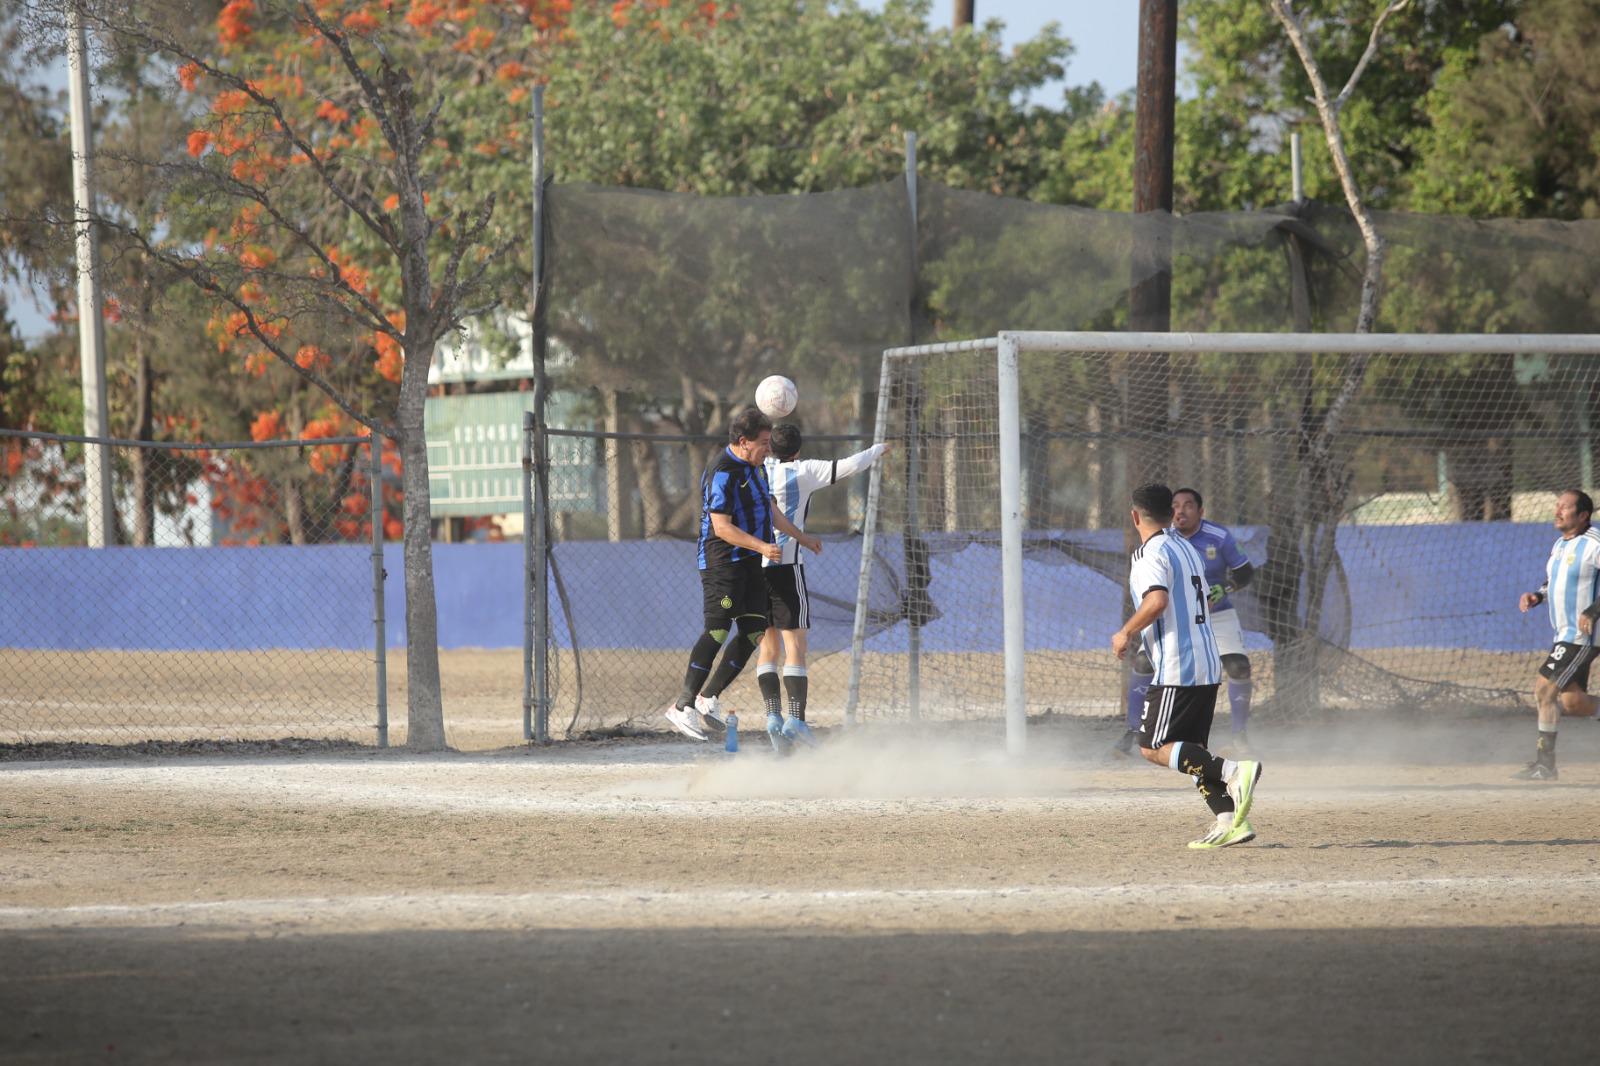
x,y
1229,768
1225,818
1172,759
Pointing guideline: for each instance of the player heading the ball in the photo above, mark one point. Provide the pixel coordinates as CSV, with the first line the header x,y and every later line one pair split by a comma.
x,y
793,481
737,518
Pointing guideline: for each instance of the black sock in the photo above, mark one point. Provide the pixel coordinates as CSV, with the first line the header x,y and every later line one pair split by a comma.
x,y
1546,751
1198,762
767,679
739,651
795,686
1215,793
700,660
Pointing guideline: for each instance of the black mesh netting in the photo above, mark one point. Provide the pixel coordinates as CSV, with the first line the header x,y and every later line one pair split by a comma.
x,y
665,310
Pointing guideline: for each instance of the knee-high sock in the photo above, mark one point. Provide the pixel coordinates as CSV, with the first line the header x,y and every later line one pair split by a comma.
x,y
771,695
740,648
700,660
1239,704
795,683
1138,684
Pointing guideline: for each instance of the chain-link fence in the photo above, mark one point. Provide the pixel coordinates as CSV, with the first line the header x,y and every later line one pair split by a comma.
x,y
664,311
233,595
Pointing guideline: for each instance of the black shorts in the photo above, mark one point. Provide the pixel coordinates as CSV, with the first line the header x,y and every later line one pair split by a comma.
x,y
786,589
1568,664
1177,712
732,591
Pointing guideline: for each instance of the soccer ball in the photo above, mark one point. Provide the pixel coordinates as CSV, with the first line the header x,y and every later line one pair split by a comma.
x,y
776,396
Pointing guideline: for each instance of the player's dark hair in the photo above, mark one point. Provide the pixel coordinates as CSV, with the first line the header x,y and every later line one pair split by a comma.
x,y
1155,500
748,424
1585,504
786,441
1199,501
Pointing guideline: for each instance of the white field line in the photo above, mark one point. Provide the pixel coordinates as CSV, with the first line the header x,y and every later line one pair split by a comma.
x,y
567,907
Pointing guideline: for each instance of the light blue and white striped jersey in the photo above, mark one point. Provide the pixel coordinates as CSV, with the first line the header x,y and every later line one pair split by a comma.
x,y
794,481
1572,579
1179,643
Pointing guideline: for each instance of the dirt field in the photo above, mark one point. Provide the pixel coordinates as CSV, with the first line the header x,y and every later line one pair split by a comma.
x,y
891,898
122,697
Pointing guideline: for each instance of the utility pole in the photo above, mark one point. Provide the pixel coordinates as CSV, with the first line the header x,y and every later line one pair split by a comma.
x,y
99,519
963,13
1150,299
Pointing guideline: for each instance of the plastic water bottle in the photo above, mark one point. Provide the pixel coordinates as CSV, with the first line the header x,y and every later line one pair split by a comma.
x,y
732,743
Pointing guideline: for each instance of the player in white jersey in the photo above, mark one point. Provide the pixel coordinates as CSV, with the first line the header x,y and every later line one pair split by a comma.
x,y
1172,620
1572,589
793,481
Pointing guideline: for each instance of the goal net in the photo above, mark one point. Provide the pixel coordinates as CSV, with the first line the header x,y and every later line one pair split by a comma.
x,y
1394,494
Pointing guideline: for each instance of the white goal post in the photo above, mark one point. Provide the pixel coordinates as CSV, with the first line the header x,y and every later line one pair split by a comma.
x,y
1006,354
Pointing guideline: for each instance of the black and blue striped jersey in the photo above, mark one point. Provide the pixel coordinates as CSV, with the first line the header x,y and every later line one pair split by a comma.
x,y
739,490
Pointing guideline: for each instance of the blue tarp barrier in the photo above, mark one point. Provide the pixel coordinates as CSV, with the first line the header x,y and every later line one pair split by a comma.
x,y
1449,586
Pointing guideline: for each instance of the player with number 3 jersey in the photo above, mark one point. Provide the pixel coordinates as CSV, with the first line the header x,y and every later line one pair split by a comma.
x,y
1172,622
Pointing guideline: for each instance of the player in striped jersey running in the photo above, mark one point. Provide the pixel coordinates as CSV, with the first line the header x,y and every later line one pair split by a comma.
x,y
793,481
1172,620
1572,588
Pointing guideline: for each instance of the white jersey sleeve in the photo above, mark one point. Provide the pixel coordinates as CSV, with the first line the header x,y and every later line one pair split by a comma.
x,y
1151,570
851,465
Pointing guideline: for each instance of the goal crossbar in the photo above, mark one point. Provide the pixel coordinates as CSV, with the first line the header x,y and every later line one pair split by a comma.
x,y
1008,345
1271,343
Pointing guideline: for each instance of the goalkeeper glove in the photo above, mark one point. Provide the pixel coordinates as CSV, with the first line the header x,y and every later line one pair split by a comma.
x,y
1216,593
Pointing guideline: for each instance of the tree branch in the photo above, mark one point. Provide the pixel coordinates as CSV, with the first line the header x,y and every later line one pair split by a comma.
x,y
360,203
1373,275
1343,98
203,278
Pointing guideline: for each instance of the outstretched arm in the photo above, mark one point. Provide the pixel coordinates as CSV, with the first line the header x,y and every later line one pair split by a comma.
x,y
852,465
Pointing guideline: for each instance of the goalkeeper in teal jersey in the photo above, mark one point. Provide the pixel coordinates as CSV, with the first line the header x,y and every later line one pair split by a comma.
x,y
1572,589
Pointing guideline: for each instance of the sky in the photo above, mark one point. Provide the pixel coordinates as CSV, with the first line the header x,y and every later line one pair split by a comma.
x,y
1104,33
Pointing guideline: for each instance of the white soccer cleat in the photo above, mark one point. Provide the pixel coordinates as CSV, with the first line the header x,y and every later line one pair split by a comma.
x,y
686,721
710,711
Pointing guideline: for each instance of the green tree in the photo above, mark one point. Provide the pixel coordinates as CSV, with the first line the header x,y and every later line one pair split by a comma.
x,y
1514,122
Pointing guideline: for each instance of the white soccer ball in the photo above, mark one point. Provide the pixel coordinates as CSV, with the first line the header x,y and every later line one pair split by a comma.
x,y
776,396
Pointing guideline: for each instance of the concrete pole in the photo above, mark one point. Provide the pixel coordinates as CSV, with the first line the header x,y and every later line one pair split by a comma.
x,y
964,12
99,520
1297,170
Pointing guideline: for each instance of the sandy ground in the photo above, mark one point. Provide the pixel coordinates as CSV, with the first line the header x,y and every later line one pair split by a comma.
x,y
123,697
892,896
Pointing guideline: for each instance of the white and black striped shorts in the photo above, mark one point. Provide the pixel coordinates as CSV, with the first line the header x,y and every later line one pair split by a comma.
x,y
1568,664
786,592
1177,712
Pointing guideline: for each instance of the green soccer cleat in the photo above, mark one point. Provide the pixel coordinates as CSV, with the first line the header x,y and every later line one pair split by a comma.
x,y
1242,787
1224,836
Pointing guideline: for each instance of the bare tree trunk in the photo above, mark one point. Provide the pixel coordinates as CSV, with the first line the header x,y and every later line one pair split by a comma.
x,y
653,501
424,699
294,506
143,459
1322,481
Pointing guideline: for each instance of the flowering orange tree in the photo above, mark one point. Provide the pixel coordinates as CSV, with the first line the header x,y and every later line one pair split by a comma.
x,y
326,200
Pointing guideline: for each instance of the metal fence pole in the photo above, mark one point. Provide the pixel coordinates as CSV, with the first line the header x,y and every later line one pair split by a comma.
x,y
530,569
537,523
379,627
